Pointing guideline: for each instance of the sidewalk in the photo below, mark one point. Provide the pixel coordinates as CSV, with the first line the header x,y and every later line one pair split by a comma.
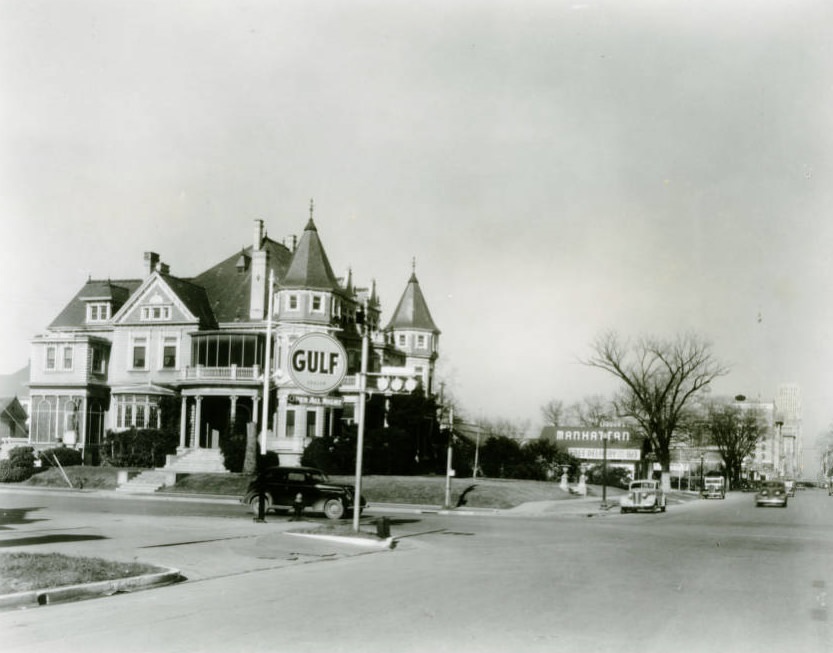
x,y
200,548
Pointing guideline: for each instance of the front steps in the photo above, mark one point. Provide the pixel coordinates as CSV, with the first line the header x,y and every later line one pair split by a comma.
x,y
191,461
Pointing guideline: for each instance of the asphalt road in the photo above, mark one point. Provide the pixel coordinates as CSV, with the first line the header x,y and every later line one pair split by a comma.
x,y
705,576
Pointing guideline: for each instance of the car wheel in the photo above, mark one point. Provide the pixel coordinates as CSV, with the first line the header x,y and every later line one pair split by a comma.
x,y
254,505
334,509
662,509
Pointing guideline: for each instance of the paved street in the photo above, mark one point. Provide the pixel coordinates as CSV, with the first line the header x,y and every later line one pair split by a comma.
x,y
705,576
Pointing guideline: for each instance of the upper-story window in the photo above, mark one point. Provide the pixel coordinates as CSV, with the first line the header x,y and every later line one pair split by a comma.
x,y
98,312
317,304
292,301
139,349
67,359
421,341
156,313
51,357
97,360
401,340
170,347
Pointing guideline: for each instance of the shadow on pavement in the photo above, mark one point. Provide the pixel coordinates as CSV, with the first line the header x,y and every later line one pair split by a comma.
x,y
58,538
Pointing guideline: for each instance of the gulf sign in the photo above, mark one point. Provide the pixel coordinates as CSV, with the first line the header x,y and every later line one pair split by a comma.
x,y
317,363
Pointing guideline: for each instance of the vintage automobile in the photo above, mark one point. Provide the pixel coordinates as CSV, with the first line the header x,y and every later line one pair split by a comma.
x,y
281,487
644,495
772,493
714,487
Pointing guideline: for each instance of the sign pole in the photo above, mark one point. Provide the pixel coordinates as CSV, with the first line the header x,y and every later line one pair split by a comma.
x,y
449,471
267,371
360,435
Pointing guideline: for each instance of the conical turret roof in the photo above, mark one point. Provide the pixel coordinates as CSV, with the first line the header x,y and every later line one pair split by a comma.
x,y
412,311
310,267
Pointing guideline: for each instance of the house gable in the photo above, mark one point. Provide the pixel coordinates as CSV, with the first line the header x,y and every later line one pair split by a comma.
x,y
157,303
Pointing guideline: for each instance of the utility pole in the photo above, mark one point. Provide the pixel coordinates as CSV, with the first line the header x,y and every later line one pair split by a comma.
x,y
360,426
449,472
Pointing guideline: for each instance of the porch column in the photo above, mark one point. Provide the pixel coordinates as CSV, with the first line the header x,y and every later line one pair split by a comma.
x,y
198,424
255,411
183,422
233,411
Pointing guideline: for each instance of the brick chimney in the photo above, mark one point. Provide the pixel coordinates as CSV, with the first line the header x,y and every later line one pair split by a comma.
x,y
260,260
151,261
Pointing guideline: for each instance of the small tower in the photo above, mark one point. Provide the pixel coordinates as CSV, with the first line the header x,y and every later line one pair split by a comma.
x,y
413,332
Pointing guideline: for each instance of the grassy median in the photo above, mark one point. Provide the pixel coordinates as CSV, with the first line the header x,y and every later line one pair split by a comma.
x,y
23,572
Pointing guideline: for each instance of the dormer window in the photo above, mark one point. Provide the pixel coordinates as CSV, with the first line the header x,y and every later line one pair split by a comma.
x,y
156,313
98,312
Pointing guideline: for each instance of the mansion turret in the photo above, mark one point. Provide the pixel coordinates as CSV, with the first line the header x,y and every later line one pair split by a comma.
x,y
129,353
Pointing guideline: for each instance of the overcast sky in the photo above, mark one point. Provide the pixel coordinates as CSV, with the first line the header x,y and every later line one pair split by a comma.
x,y
557,169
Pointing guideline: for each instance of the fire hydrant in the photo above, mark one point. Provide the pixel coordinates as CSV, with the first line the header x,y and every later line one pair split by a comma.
x,y
298,506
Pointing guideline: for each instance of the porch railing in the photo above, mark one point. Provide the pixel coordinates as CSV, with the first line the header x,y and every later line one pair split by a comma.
x,y
231,373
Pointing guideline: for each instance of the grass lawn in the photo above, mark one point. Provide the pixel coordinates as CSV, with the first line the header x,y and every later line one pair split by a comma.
x,y
429,490
22,572
81,476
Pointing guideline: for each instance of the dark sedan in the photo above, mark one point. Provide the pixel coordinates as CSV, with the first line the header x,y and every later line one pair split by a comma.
x,y
284,488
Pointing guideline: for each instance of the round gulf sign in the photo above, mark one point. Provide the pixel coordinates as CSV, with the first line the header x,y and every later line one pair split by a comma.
x,y
317,363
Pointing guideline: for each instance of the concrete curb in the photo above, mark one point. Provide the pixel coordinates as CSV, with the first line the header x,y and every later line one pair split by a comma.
x,y
37,598
387,543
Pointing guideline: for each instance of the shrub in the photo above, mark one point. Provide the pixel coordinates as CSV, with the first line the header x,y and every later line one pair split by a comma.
x,y
11,474
66,456
22,457
615,477
269,459
138,448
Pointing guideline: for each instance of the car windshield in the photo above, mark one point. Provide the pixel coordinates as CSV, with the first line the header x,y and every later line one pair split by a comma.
x,y
643,485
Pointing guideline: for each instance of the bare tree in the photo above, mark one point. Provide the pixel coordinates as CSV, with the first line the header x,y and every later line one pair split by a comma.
x,y
735,432
660,377
553,413
594,411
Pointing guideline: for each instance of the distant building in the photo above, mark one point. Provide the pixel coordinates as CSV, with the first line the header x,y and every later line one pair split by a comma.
x,y
788,417
129,353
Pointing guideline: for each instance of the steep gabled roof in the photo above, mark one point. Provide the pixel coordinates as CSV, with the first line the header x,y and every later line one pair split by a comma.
x,y
194,297
310,267
228,284
75,313
412,311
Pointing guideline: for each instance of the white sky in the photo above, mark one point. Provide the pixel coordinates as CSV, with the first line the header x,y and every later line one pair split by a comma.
x,y
557,168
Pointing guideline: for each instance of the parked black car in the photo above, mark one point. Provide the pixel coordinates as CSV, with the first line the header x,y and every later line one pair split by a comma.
x,y
282,485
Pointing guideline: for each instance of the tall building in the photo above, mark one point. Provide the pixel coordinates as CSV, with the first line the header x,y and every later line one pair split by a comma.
x,y
788,418
129,353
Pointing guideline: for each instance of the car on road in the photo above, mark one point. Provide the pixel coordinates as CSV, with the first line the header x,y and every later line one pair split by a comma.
x,y
643,496
772,493
284,488
714,487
